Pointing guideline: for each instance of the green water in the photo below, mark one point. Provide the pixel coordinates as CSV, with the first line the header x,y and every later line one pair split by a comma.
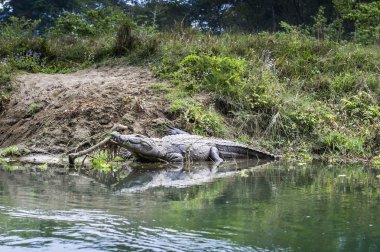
x,y
272,208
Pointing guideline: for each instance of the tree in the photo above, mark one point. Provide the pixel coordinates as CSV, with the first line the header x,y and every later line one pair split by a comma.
x,y
48,10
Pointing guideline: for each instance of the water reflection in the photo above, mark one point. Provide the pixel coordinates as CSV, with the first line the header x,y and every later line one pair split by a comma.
x,y
236,207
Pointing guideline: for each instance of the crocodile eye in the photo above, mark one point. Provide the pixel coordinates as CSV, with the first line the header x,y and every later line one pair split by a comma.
x,y
146,145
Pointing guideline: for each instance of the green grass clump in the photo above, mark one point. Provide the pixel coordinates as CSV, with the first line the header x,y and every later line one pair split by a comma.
x,y
345,144
161,88
10,151
362,107
33,108
376,162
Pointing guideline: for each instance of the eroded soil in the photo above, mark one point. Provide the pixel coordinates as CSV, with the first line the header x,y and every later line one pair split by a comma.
x,y
58,112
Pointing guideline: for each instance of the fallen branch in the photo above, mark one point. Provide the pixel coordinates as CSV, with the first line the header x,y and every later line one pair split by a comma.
x,y
73,156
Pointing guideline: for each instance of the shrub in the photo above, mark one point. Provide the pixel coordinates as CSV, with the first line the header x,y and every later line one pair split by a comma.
x,y
18,36
29,61
67,51
367,22
89,23
193,117
361,106
124,40
228,79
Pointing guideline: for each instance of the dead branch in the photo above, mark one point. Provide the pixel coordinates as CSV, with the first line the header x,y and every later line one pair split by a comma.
x,y
73,156
106,141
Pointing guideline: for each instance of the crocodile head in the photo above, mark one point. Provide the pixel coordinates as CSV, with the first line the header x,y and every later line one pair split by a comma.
x,y
138,144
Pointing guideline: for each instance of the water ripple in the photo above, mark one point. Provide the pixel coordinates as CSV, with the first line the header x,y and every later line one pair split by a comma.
x,y
95,230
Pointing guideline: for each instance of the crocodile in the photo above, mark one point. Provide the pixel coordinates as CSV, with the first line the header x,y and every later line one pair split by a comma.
x,y
180,146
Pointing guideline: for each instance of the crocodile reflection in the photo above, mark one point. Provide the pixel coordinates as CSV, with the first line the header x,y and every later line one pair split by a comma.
x,y
145,176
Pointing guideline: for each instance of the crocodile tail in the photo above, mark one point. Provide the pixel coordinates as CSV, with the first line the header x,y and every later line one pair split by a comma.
x,y
237,151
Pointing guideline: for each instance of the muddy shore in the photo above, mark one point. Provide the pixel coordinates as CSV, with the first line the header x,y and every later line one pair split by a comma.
x,y
59,113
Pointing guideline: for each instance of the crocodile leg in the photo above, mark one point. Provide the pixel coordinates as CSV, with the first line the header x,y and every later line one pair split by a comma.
x,y
174,131
174,157
214,155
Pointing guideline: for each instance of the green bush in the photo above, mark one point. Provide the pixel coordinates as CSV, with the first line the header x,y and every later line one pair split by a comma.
x,y
361,106
366,17
223,75
100,161
18,36
193,117
229,79
90,23
68,50
125,42
4,98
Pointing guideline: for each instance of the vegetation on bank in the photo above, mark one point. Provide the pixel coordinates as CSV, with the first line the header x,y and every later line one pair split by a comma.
x,y
301,91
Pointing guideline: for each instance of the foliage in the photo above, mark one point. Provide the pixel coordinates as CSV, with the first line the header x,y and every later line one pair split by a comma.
x,y
124,39
10,151
367,22
344,143
361,106
376,162
44,167
5,84
17,36
100,161
161,88
302,90
228,79
89,23
193,116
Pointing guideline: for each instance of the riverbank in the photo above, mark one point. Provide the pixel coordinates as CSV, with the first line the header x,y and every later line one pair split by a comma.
x,y
286,92
62,113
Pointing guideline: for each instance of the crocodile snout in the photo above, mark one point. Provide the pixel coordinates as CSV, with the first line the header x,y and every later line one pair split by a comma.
x,y
115,135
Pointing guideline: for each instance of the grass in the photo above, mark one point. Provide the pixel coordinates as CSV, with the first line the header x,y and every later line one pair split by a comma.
x,y
33,108
10,151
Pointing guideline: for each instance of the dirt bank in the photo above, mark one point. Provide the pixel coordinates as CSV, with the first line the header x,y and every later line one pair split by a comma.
x,y
58,112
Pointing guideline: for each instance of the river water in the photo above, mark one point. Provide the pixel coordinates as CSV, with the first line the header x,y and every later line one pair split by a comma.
x,y
275,207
